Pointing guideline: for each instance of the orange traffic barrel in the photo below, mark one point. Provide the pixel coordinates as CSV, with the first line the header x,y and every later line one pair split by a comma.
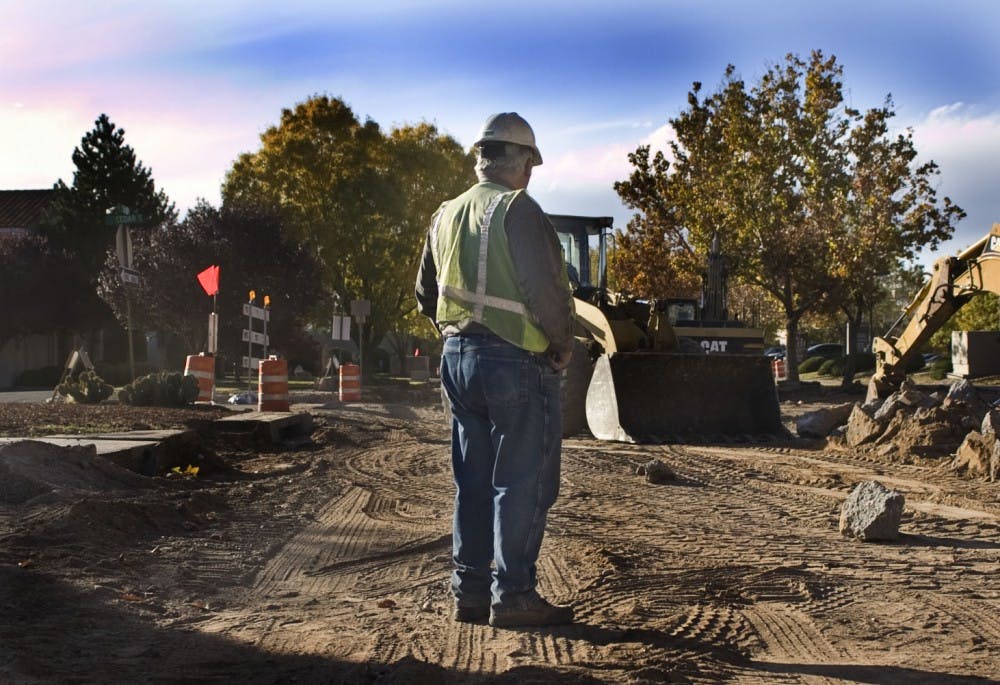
x,y
780,371
272,390
350,383
202,367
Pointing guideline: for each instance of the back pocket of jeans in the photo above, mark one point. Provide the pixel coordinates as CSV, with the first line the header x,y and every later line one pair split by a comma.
x,y
505,383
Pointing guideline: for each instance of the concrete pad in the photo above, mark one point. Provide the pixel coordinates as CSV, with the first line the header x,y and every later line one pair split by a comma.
x,y
276,426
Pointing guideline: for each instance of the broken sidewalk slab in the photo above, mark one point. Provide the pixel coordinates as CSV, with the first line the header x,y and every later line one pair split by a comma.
x,y
155,452
149,453
274,426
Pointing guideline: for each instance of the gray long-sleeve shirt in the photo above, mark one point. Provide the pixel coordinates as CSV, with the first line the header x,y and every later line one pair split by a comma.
x,y
539,266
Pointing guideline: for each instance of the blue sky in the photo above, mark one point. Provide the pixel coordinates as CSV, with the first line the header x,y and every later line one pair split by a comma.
x,y
194,84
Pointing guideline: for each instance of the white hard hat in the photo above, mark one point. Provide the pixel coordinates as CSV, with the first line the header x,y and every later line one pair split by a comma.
x,y
509,127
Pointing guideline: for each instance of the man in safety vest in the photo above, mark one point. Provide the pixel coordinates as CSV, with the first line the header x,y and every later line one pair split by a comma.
x,y
492,277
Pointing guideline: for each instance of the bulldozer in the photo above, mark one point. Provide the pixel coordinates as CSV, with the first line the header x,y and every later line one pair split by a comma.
x,y
659,370
953,282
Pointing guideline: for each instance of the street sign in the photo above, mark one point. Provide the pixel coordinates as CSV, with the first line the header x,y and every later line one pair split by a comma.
x,y
361,309
256,312
119,215
130,277
255,337
213,333
251,362
340,328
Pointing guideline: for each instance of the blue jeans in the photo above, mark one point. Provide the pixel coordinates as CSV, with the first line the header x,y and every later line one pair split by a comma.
x,y
506,438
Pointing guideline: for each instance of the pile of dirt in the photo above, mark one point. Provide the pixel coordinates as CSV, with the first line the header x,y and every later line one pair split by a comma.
x,y
915,426
29,468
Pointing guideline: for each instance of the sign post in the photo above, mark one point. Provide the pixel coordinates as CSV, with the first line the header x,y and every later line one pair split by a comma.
x,y
123,217
252,337
361,310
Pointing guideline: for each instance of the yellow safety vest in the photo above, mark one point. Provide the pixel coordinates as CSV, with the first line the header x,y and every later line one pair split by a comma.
x,y
475,271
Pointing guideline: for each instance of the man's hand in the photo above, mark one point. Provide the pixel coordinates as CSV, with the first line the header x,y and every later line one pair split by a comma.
x,y
558,360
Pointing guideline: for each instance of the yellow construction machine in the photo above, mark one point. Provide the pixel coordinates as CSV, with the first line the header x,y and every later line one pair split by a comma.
x,y
953,282
667,370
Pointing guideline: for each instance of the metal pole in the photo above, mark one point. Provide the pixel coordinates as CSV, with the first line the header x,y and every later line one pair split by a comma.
x,y
128,323
250,347
361,345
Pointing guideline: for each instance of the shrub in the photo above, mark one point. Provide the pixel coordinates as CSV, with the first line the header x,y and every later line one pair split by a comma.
x,y
832,367
161,389
87,388
939,368
811,364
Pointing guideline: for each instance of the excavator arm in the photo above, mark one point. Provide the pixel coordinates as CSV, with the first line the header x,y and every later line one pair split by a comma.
x,y
953,282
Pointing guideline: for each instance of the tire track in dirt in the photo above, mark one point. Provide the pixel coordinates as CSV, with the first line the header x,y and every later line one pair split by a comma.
x,y
635,590
338,565
790,635
977,618
816,576
698,580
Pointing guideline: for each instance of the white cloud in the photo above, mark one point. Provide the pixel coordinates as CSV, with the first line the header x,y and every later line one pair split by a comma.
x,y
40,150
660,139
965,143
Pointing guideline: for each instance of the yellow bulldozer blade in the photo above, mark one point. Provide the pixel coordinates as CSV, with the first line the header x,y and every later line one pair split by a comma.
x,y
651,397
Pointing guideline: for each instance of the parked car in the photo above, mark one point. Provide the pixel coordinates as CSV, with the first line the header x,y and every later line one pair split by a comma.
x,y
825,350
776,352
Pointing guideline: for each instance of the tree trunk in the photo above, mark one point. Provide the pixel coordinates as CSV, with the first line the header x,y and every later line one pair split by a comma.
x,y
791,348
850,349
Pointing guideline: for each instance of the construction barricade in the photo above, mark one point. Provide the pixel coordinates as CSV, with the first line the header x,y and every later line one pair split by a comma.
x,y
272,389
202,367
780,370
350,383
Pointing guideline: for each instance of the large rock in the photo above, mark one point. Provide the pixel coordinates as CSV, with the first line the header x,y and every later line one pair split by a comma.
x,y
991,422
819,423
977,455
964,394
872,512
906,398
861,427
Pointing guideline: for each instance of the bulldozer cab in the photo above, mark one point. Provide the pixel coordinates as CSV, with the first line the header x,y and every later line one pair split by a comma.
x,y
584,244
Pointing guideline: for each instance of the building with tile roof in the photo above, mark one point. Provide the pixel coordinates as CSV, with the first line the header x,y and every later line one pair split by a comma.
x,y
20,210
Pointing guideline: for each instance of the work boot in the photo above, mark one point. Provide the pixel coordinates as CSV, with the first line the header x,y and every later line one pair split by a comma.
x,y
529,609
471,612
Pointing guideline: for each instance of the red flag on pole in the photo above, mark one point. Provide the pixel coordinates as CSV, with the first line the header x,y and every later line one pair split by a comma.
x,y
209,279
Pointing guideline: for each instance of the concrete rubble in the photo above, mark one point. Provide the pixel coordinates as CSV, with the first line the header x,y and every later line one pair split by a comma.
x,y
979,454
912,424
819,424
872,512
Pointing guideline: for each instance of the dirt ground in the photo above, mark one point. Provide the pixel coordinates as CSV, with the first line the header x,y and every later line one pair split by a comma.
x,y
326,561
